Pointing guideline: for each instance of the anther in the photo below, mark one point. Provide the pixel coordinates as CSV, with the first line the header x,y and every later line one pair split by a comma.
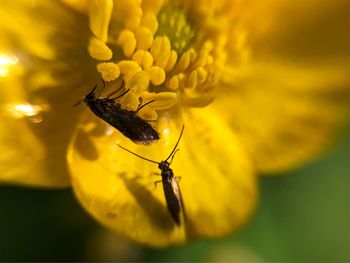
x,y
99,50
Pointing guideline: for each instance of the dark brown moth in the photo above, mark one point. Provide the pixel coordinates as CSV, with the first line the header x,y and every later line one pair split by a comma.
x,y
171,187
127,122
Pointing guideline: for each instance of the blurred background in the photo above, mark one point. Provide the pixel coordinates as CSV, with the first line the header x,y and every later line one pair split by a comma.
x,y
303,215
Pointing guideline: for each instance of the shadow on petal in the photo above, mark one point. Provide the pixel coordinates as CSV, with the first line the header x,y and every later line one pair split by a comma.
x,y
154,209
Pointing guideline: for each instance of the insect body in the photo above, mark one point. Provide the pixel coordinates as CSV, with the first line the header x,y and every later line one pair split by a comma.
x,y
171,188
127,122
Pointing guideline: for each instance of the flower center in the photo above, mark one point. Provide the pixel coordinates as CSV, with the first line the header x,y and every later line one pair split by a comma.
x,y
164,52
174,23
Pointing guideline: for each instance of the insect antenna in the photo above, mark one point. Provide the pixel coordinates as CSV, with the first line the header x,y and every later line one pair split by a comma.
x,y
104,86
144,105
120,95
178,140
81,100
137,154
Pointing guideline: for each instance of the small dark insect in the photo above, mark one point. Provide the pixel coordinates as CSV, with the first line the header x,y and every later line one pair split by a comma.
x,y
171,188
127,122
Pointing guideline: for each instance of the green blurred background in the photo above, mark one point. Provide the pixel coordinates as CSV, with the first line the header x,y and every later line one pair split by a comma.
x,y
302,216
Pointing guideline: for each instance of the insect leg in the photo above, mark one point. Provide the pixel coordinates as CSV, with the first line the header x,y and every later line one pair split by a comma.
x,y
178,178
155,184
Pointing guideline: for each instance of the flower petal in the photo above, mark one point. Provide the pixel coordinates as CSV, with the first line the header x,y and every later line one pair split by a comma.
x,y
28,156
298,30
218,184
41,78
285,115
289,95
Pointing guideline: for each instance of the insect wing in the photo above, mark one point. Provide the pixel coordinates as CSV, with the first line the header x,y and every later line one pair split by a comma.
x,y
172,195
136,128
127,122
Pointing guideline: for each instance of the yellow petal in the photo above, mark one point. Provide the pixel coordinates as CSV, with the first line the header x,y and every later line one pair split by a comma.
x,y
285,115
39,89
310,29
32,146
217,180
290,96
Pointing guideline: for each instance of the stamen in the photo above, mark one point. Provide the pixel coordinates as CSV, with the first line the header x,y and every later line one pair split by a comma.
x,y
171,61
161,52
127,42
152,5
143,58
128,69
109,71
131,12
202,74
192,80
150,21
163,100
185,60
174,83
203,54
156,74
137,85
99,50
144,38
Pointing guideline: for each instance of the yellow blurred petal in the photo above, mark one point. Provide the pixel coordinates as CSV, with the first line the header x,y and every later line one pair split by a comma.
x,y
217,180
285,115
300,30
16,16
41,84
29,154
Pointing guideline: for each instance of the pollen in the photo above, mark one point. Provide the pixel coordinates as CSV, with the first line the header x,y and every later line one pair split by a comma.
x,y
186,59
127,42
171,61
143,58
99,50
128,69
150,21
109,71
156,74
163,100
144,38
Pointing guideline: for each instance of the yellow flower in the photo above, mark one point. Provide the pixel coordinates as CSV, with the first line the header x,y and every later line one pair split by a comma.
x,y
272,110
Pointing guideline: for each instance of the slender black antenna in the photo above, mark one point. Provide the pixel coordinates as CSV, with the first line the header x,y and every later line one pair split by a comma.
x,y
120,95
137,154
104,86
144,105
81,100
114,92
178,140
